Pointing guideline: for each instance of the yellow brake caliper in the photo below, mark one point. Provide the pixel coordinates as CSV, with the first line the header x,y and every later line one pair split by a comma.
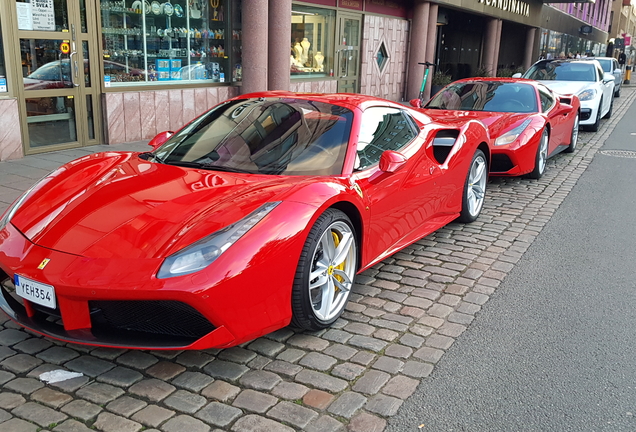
x,y
336,241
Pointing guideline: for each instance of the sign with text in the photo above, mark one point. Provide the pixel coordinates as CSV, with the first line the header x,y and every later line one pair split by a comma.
x,y
43,15
65,47
25,16
3,85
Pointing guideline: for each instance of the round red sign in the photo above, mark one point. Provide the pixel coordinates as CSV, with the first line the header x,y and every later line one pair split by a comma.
x,y
65,47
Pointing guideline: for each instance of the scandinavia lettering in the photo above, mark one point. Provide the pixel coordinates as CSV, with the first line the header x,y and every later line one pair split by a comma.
x,y
514,6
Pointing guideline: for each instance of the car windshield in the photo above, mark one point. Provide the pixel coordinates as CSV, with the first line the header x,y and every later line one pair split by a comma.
x,y
486,96
53,71
561,71
280,136
606,64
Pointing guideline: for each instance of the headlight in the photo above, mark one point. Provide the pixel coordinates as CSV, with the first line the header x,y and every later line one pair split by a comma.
x,y
13,208
587,95
512,134
204,252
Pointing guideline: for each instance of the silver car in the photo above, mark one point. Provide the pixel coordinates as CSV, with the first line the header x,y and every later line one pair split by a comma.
x,y
610,65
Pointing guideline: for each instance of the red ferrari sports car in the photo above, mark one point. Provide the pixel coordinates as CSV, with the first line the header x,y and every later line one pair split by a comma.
x,y
527,121
253,216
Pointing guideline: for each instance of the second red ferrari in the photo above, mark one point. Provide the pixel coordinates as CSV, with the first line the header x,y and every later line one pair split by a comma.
x,y
527,121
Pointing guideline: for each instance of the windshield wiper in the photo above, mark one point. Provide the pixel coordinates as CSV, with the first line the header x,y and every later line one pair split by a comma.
x,y
147,155
188,164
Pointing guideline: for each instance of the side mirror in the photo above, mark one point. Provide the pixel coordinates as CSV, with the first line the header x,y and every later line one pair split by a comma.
x,y
517,75
564,109
161,138
391,161
618,71
607,78
416,103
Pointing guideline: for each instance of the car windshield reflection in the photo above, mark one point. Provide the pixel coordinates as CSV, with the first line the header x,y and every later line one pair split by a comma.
x,y
555,71
279,136
486,96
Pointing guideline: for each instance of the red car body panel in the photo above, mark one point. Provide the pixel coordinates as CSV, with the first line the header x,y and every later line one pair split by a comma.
x,y
107,221
559,120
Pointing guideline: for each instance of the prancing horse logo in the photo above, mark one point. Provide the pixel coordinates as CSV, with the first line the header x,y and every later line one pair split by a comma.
x,y
43,264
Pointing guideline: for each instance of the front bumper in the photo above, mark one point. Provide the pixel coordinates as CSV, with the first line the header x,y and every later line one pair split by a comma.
x,y
514,159
119,303
589,111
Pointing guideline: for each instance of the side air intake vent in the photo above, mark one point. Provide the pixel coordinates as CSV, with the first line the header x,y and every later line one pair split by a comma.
x,y
443,143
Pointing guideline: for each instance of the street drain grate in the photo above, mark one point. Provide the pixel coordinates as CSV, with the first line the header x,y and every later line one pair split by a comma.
x,y
619,153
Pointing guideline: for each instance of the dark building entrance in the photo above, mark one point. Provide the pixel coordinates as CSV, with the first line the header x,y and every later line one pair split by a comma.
x,y
460,43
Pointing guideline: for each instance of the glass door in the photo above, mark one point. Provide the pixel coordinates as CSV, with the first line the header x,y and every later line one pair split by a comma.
x,y
348,53
59,91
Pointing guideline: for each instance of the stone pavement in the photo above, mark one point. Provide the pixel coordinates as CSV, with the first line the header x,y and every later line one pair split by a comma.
x,y
403,315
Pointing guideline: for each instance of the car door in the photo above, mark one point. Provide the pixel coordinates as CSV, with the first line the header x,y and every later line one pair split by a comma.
x,y
607,88
399,202
558,121
618,73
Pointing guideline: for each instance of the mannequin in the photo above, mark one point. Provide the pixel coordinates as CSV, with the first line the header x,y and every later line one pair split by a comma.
x,y
319,58
298,52
305,44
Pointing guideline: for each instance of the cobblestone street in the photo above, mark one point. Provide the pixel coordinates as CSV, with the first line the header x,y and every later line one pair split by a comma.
x,y
403,315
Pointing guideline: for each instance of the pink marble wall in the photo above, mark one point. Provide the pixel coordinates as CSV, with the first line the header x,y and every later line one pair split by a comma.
x,y
394,32
134,116
330,86
10,137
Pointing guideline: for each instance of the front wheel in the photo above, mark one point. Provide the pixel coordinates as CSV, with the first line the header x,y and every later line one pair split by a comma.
x,y
326,270
594,127
574,138
474,188
541,158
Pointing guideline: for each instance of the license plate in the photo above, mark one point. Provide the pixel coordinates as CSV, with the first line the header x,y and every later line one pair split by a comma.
x,y
36,292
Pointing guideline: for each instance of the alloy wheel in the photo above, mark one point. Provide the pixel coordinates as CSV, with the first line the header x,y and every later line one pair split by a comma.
x,y
476,185
333,271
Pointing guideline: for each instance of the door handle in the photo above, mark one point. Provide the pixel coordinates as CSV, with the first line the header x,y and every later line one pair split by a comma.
x,y
75,67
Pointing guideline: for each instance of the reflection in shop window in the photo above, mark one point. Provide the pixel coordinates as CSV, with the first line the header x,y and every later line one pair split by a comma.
x,y
311,41
170,42
3,73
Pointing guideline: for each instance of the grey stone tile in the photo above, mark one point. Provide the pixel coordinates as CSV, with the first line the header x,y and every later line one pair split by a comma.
x,y
321,381
18,425
416,369
6,352
400,386
371,382
221,391
255,423
5,377
325,423
290,391
293,414
318,361
283,368
388,364
237,355
218,414
266,347
121,377
185,401
89,365
364,422
20,363
152,389
165,370
291,355
10,337
57,355
51,398
260,380
386,406
252,400
72,425
10,400
38,414
183,423
137,360
32,346
225,370
348,371
24,385
72,384
194,359
368,343
126,406
308,342
108,422
347,404
152,415
340,351
99,393
81,409
193,381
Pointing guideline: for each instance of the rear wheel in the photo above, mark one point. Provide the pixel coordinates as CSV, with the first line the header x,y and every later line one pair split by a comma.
x,y
574,138
542,156
325,273
474,188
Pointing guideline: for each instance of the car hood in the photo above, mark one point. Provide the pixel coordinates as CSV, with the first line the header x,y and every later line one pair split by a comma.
x,y
568,87
117,205
496,122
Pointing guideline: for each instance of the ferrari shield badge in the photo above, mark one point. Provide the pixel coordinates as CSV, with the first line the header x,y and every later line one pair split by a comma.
x,y
43,264
358,189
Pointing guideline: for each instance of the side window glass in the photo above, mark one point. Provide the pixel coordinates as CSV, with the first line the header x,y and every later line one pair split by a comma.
x,y
382,129
547,100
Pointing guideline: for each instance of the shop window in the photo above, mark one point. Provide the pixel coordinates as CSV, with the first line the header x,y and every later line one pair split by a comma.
x,y
152,42
382,57
311,53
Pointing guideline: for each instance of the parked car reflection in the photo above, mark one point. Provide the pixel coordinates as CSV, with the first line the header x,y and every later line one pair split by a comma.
x,y
57,74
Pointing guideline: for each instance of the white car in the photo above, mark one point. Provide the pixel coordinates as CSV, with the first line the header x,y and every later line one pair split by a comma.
x,y
610,65
584,78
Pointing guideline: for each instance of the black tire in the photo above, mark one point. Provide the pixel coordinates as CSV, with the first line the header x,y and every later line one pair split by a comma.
x,y
303,314
611,108
574,137
469,214
617,93
594,127
539,164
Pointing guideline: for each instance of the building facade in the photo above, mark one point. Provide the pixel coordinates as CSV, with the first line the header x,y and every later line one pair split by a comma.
x,y
84,72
